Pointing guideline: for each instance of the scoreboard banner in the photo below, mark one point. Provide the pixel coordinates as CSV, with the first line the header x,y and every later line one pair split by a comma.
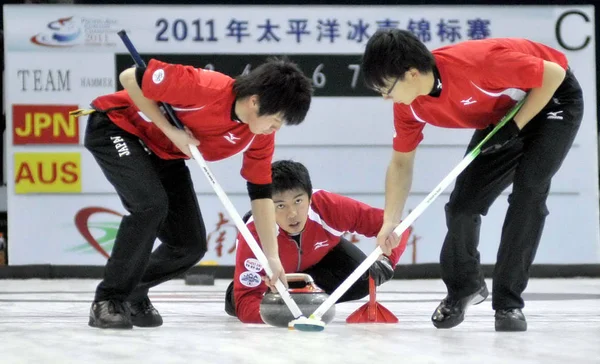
x,y
62,210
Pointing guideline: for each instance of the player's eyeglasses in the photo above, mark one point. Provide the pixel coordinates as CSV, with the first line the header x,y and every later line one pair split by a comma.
x,y
389,90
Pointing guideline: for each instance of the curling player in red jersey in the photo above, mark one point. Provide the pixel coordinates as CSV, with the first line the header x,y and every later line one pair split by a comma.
x,y
310,225
472,85
143,157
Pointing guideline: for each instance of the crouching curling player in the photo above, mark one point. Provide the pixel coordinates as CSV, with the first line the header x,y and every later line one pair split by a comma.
x,y
310,225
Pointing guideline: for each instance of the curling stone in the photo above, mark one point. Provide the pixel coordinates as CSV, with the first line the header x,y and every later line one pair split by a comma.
x,y
274,312
199,280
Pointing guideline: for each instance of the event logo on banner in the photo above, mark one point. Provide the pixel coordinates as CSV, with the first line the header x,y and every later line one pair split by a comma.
x,y
103,243
44,124
47,172
100,231
100,234
99,227
73,31
63,32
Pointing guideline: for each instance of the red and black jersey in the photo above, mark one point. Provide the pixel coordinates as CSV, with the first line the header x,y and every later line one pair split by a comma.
x,y
481,81
203,101
329,217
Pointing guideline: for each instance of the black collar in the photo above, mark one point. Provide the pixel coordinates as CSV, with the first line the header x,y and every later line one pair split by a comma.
x,y
436,91
234,116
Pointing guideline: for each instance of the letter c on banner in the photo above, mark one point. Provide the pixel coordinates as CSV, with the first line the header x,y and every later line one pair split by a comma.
x,y
558,30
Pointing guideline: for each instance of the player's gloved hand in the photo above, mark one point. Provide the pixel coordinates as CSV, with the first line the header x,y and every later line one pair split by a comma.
x,y
504,138
278,273
386,239
182,139
381,271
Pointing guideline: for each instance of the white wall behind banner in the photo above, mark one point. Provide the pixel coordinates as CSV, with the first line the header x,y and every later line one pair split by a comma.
x,y
61,209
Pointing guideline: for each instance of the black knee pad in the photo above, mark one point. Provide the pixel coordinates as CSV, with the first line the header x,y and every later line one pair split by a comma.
x,y
531,199
456,214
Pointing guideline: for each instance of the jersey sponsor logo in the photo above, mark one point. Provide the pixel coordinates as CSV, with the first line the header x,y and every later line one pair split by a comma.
x,y
468,101
250,279
555,115
231,138
253,265
120,145
321,244
158,76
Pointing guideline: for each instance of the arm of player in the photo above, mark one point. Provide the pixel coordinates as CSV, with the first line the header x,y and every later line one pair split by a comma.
x,y
367,221
263,212
247,303
553,76
248,288
509,68
398,182
151,109
185,86
256,169
348,215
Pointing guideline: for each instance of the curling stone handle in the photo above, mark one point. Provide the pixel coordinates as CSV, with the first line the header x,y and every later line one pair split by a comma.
x,y
303,277
300,277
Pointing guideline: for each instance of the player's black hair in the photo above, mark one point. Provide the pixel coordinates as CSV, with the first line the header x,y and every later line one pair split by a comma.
x,y
289,175
281,88
390,53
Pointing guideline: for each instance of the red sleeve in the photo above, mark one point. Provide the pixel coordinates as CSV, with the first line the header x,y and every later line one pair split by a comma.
x,y
347,215
505,68
399,250
408,131
248,287
180,85
256,167
356,217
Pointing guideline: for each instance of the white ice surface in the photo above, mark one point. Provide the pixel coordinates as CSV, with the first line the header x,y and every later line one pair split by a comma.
x,y
45,321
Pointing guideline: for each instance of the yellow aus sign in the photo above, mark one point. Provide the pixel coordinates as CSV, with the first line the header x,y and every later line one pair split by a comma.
x,y
47,173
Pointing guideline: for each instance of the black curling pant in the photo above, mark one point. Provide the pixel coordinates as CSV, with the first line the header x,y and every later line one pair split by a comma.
x,y
529,165
160,199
